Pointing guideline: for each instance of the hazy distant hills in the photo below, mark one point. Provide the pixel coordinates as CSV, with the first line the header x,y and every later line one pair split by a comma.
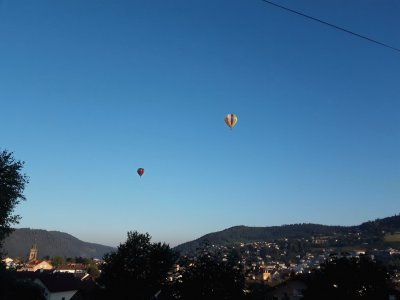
x,y
380,232
372,231
51,243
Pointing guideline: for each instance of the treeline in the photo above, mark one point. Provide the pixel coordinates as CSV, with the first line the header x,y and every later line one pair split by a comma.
x,y
379,226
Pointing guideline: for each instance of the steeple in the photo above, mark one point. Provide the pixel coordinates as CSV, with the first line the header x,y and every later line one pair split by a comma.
x,y
33,253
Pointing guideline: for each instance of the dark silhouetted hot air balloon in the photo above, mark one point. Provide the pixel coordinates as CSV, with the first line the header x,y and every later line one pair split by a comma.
x,y
140,171
231,120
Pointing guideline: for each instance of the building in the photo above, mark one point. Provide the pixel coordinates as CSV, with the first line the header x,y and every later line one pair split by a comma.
x,y
8,262
33,263
33,253
58,286
72,268
36,265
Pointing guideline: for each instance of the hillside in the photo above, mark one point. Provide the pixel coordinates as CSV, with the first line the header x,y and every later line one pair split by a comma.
x,y
384,231
51,243
371,230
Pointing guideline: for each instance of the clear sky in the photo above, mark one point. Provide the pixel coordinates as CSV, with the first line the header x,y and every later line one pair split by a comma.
x,y
92,90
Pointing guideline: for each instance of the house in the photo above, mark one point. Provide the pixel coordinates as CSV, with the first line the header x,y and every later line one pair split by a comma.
x,y
89,291
58,286
266,276
36,265
72,268
8,262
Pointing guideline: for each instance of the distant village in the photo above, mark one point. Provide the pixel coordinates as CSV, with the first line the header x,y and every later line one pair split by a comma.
x,y
62,282
272,270
274,265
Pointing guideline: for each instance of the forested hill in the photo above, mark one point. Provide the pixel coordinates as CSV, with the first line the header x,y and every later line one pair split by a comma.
x,y
246,234
51,243
389,224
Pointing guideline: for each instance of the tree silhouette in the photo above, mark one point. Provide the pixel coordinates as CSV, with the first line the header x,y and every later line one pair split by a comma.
x,y
58,261
211,276
348,279
12,185
13,289
137,270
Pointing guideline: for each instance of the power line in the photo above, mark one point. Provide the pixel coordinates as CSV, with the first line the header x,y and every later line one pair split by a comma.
x,y
331,25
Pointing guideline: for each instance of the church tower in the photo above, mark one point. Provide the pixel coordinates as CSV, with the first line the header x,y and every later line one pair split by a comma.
x,y
33,253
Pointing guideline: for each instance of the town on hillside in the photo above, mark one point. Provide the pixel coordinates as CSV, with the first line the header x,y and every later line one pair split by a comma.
x,y
272,269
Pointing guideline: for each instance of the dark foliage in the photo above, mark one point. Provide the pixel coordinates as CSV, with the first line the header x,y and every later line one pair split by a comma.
x,y
389,224
137,270
93,271
12,185
210,277
348,279
13,289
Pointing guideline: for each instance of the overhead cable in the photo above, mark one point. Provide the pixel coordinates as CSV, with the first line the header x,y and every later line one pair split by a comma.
x,y
331,25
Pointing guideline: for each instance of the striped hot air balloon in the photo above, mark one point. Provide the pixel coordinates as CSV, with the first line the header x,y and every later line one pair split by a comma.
x,y
231,120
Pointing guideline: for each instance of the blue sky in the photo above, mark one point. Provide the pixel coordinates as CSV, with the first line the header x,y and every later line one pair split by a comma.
x,y
92,90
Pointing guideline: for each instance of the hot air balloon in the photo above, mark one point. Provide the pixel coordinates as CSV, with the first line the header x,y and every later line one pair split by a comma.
x,y
230,120
140,171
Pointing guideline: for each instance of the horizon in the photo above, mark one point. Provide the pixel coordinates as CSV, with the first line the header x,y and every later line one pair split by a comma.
x,y
93,90
172,246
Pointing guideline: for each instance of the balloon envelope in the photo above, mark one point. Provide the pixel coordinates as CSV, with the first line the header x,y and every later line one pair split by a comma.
x,y
140,171
231,120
